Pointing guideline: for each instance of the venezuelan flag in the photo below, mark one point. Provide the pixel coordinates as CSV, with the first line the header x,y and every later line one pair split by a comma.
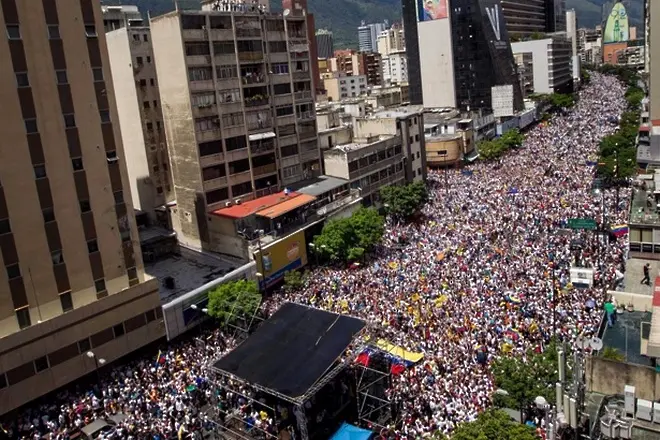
x,y
619,230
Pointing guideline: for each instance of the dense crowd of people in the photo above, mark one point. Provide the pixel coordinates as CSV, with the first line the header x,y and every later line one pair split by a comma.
x,y
478,270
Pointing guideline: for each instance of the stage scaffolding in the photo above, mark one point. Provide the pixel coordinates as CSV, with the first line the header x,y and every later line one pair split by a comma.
x,y
369,407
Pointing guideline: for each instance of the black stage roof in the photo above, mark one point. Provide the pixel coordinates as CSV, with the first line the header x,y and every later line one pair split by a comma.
x,y
292,350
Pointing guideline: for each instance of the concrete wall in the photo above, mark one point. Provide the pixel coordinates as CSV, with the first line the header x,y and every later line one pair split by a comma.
x,y
336,164
437,63
610,377
539,51
179,124
654,56
121,64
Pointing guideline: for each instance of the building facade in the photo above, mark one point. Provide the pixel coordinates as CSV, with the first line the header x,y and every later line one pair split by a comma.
x,y
368,36
141,119
392,48
324,43
73,289
526,17
238,108
341,86
116,17
413,63
551,63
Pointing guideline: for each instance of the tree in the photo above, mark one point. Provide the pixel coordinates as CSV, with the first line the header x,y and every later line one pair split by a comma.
x,y
404,201
490,150
294,280
524,380
493,425
348,239
234,299
512,138
559,100
613,354
634,97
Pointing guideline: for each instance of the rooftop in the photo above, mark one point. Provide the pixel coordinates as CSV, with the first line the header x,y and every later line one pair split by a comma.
x,y
288,205
190,269
320,185
443,137
398,112
354,146
250,207
626,336
640,212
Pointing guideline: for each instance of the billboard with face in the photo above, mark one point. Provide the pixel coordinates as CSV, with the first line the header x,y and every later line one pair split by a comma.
x,y
428,10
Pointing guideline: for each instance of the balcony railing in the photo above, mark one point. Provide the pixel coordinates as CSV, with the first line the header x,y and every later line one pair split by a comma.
x,y
299,55
248,33
339,203
254,79
256,102
265,169
250,56
304,94
301,74
299,47
307,134
262,147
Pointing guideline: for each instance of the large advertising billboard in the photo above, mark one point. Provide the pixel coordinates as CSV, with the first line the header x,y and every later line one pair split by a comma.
x,y
428,10
280,257
617,28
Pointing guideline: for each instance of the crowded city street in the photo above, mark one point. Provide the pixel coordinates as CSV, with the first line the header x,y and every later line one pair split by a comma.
x,y
477,269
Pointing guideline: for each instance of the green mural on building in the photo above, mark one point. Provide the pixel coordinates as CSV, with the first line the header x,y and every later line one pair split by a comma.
x,y
616,27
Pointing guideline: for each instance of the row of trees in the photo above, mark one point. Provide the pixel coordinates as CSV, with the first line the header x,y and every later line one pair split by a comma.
x,y
491,425
494,149
555,101
618,152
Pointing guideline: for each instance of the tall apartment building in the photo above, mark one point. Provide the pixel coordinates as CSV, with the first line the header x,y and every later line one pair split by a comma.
x,y
350,62
368,36
551,63
141,119
392,48
410,19
73,289
324,43
238,108
391,40
339,86
116,17
653,15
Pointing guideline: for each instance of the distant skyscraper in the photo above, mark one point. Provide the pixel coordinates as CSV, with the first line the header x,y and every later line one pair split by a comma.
x,y
324,43
525,17
368,36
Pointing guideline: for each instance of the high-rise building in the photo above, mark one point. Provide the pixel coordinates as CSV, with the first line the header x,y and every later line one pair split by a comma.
x,y
238,107
462,54
391,40
140,116
551,59
324,43
526,17
654,64
368,36
73,292
115,17
392,48
410,18
300,7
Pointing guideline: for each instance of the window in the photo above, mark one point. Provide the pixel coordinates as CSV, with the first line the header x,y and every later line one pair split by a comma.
x,y
13,32
61,77
136,37
97,73
132,273
118,330
111,156
23,317
145,104
85,206
155,104
57,257
119,197
145,37
5,228
221,47
416,138
92,246
151,82
139,61
200,73
226,72
13,271
196,49
206,124
277,46
232,95
284,110
203,99
77,163
148,59
105,116
41,364
232,119
99,285
84,346
48,214
159,189
150,126
150,315
39,171
53,32
90,30
22,79
290,171
31,125
69,120
3,381
280,68
419,171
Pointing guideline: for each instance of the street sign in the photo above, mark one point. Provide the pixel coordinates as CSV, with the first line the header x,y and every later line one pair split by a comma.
x,y
582,223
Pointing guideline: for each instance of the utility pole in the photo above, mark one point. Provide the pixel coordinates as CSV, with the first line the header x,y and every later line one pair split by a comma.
x,y
616,176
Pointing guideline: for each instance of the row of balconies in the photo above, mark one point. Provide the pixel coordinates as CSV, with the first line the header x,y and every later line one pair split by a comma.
x,y
239,177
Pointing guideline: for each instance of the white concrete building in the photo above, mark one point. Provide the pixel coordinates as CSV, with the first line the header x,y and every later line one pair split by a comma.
x,y
392,48
551,60
368,36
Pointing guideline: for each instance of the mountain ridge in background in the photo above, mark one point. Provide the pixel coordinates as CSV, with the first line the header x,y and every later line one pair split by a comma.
x,y
343,17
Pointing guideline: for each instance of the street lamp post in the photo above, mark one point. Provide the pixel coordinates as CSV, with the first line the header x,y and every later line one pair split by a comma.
x,y
98,362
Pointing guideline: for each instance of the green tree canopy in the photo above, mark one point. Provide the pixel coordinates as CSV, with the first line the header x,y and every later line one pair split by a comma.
x,y
493,425
525,380
348,239
234,299
294,280
494,149
404,201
